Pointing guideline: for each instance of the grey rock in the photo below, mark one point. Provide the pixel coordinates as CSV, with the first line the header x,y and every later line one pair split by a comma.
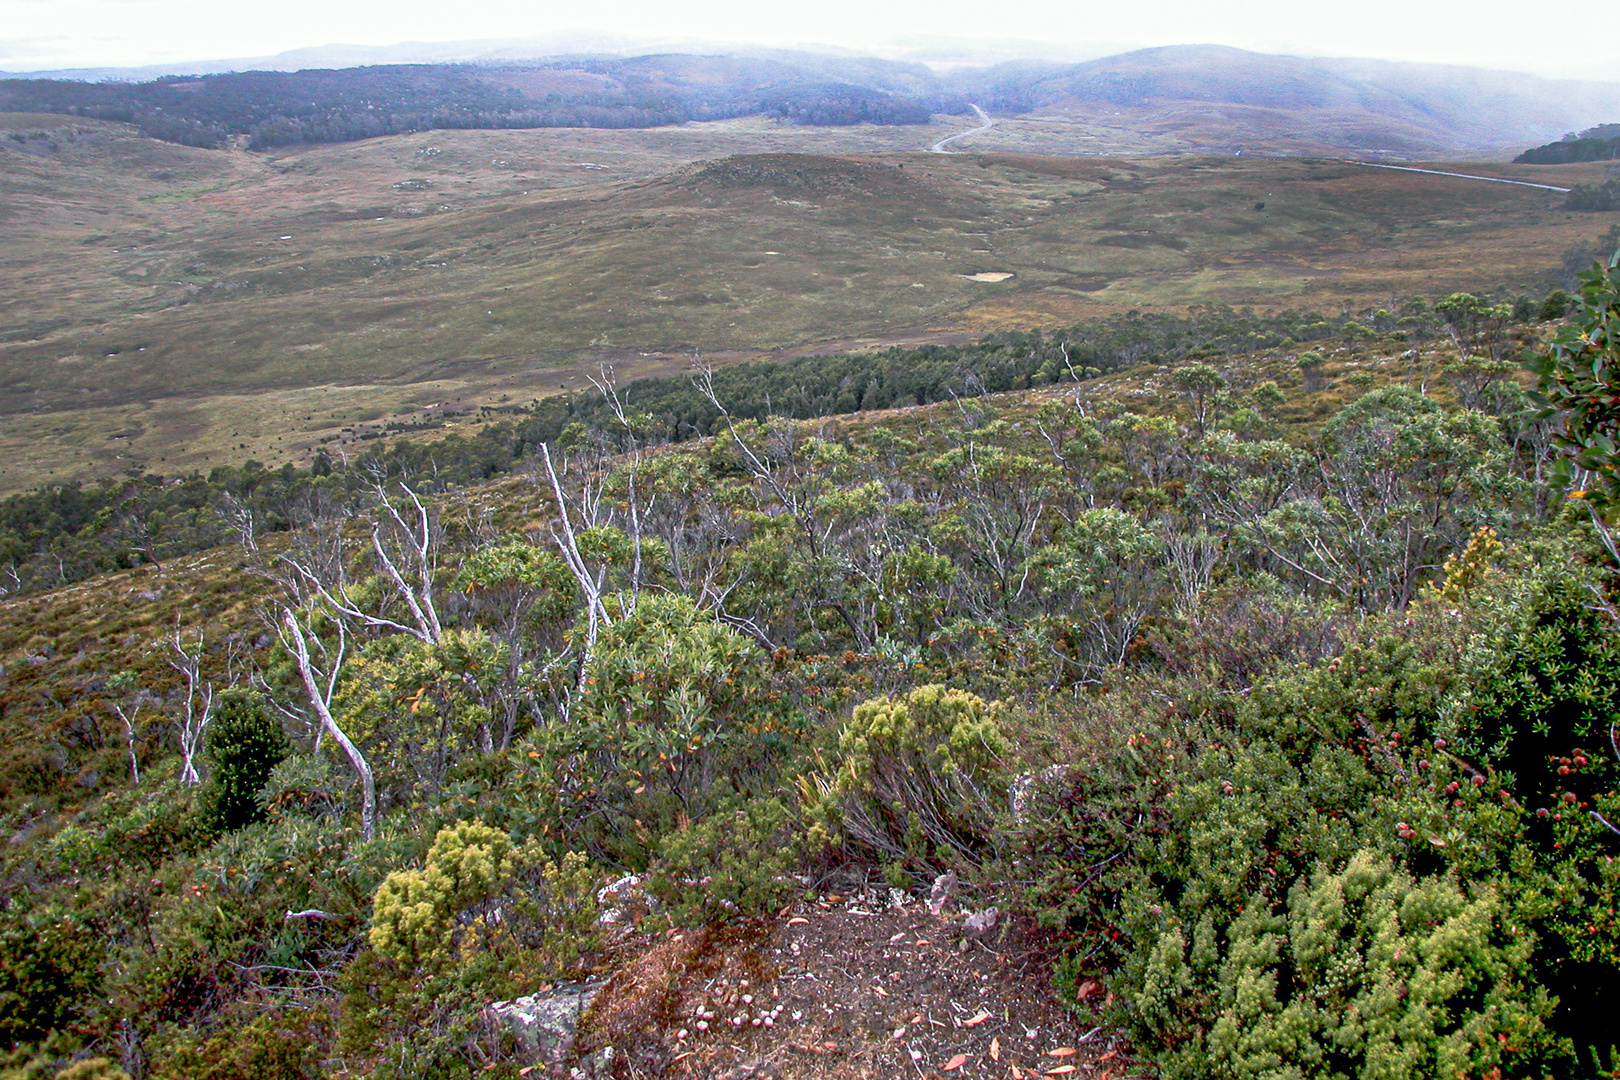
x,y
981,924
597,1066
545,1025
940,895
625,901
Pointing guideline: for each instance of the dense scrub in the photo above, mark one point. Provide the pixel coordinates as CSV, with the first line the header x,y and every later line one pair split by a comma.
x,y
1601,143
1305,692
64,533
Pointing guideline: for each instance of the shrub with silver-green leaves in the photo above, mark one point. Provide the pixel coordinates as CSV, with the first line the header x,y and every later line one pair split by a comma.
x,y
676,715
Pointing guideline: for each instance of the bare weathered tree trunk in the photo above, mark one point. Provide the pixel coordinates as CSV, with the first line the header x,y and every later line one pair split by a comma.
x,y
128,719
590,585
239,516
320,686
198,708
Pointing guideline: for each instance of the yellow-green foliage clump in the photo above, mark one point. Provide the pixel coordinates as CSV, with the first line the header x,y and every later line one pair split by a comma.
x,y
478,893
916,778
1470,566
416,913
45,1063
93,1069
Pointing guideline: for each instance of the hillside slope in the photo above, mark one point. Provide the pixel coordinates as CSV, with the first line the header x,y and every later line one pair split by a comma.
x,y
1216,96
161,302
1138,660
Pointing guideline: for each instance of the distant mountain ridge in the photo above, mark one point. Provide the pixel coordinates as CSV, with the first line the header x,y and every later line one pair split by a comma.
x,y
1357,104
1206,96
273,108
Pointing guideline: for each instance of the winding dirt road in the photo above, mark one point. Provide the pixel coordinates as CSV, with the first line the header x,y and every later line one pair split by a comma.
x,y
985,124
1408,168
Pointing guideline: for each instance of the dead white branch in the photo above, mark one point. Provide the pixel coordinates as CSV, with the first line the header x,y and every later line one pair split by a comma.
x,y
197,709
320,686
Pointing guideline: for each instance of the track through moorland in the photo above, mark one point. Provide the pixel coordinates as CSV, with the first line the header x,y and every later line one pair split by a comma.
x,y
1463,176
986,122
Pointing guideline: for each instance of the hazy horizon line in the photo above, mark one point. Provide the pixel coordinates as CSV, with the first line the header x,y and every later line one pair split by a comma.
x,y
925,50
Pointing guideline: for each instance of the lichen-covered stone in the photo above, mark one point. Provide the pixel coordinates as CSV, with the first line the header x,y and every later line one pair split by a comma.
x,y
545,1025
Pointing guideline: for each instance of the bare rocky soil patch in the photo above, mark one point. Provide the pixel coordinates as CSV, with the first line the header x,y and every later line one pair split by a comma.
x,y
844,987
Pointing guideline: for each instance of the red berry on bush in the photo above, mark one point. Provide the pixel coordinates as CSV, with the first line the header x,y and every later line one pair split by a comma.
x,y
1423,763
1439,744
1478,780
1542,812
1569,796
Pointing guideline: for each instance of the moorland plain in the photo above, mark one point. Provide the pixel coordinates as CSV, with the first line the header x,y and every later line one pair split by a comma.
x,y
169,308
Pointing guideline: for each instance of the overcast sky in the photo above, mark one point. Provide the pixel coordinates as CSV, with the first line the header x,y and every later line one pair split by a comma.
x,y
43,34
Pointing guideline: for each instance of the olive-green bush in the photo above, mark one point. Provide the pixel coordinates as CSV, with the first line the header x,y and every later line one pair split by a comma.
x,y
677,714
916,779
1386,864
738,861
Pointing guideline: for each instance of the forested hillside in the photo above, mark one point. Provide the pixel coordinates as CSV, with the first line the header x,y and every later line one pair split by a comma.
x,y
1268,690
275,108
1204,96
1601,143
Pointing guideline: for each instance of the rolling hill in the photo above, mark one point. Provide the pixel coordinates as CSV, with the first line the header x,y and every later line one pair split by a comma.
x,y
170,306
1214,96
1162,100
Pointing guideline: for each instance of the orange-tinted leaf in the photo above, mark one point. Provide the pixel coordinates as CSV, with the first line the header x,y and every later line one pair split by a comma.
x,y
955,1063
995,1049
1062,1051
976,1020
1060,1070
